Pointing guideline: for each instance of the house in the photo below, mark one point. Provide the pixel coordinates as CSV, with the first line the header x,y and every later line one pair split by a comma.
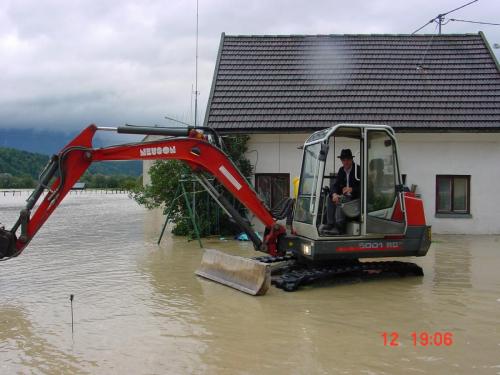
x,y
441,93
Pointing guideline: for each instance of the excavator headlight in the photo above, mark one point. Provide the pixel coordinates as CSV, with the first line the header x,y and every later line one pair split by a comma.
x,y
307,249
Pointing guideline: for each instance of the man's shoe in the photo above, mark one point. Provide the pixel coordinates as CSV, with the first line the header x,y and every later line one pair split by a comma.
x,y
341,227
330,231
324,227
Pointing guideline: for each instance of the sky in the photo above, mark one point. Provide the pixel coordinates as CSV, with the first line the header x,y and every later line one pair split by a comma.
x,y
66,64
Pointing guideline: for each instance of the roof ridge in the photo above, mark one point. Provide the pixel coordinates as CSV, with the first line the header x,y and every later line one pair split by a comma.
x,y
344,35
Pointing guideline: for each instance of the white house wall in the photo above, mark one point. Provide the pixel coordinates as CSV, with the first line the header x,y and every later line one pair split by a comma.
x,y
146,165
422,157
273,153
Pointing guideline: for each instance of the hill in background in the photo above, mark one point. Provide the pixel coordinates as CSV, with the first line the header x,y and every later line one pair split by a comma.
x,y
49,142
21,163
44,142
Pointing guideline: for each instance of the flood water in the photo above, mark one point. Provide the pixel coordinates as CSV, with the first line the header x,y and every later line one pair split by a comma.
x,y
139,309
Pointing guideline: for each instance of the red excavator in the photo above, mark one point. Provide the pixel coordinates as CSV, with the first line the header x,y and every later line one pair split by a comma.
x,y
386,220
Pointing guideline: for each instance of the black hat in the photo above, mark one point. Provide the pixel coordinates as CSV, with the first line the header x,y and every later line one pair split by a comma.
x,y
345,154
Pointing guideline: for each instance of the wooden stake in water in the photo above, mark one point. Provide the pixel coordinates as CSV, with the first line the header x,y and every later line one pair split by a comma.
x,y
71,296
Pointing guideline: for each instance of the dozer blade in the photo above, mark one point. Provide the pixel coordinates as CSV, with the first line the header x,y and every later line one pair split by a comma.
x,y
247,275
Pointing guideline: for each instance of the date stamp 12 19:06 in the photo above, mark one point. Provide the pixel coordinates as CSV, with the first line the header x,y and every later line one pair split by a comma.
x,y
425,339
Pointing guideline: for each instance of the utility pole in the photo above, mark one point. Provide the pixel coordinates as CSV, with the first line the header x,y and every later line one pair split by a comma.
x,y
440,19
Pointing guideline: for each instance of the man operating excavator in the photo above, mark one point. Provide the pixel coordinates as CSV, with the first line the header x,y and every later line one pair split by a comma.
x,y
345,189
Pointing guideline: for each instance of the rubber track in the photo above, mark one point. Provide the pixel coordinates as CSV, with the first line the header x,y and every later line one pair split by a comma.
x,y
271,259
291,277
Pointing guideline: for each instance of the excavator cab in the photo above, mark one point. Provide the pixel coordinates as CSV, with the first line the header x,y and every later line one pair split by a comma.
x,y
377,213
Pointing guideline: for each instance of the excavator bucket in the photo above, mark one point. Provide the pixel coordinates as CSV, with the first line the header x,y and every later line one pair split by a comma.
x,y
7,243
246,275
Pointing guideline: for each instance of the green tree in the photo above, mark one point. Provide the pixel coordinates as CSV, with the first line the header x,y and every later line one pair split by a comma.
x,y
100,181
165,181
8,181
20,170
25,182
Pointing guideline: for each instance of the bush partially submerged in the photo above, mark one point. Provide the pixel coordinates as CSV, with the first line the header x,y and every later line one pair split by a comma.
x,y
164,192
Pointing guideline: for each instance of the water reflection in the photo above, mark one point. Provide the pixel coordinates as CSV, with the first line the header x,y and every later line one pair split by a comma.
x,y
33,350
452,265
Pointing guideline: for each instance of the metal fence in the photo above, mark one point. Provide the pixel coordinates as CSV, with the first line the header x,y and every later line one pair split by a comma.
x,y
13,192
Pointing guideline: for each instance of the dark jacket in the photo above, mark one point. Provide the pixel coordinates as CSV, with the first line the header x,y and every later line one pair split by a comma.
x,y
341,182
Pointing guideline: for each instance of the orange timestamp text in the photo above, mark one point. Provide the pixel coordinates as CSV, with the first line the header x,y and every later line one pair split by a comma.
x,y
424,338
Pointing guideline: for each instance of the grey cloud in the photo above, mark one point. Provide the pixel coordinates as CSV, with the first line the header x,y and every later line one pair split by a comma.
x,y
67,63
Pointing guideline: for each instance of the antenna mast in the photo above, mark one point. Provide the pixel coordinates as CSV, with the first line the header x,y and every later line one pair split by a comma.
x,y
196,77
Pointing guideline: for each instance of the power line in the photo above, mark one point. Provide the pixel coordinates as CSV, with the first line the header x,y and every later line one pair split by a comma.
x,y
420,28
180,122
479,22
460,7
439,19
420,65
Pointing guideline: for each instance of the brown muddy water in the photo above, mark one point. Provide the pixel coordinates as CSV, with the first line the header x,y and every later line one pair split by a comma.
x,y
139,309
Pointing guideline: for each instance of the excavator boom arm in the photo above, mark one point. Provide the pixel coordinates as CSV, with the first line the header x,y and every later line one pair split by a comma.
x,y
70,164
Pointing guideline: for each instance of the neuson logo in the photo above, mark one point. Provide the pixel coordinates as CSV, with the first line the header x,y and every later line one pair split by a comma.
x,y
153,151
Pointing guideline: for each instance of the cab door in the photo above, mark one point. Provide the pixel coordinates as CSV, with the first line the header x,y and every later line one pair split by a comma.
x,y
311,180
385,213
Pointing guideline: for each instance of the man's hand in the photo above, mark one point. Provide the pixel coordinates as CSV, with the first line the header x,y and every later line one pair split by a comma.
x,y
347,190
335,198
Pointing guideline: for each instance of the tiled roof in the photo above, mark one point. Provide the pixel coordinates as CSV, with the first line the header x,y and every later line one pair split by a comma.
x,y
411,82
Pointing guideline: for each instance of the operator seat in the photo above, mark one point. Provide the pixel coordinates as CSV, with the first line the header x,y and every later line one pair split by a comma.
x,y
351,209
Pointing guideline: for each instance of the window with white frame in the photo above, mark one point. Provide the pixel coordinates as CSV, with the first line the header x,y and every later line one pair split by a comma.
x,y
453,194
